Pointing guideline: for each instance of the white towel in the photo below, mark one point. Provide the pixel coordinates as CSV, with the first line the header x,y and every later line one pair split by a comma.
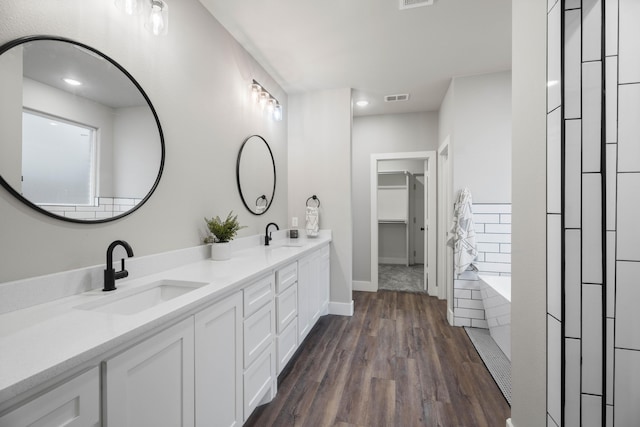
x,y
312,221
463,233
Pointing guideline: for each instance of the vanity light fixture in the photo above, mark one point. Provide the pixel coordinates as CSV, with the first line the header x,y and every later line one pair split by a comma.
x,y
267,101
277,113
255,91
157,12
159,18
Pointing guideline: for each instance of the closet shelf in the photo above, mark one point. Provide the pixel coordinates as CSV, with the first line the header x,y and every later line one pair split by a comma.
x,y
391,187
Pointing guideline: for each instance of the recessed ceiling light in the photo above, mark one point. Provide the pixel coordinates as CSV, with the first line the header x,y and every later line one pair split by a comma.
x,y
72,82
362,103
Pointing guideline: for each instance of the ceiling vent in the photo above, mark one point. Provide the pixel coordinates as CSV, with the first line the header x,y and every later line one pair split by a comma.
x,y
396,98
410,4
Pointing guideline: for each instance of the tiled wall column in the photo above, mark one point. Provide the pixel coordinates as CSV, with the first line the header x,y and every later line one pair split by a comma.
x,y
593,152
623,202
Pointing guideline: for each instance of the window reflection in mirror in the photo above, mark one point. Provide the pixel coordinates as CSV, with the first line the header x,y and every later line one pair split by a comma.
x,y
58,161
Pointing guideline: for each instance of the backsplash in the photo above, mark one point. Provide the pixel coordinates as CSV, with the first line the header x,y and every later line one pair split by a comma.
x,y
19,294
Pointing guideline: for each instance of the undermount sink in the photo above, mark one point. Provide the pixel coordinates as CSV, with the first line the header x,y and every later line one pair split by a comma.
x,y
137,300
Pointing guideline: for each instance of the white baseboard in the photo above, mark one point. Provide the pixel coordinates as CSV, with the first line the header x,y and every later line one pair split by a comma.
x,y
509,423
390,260
361,285
341,308
450,317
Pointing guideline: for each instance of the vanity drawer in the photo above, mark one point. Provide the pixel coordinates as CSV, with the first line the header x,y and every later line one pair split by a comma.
x,y
257,295
258,333
257,381
286,307
286,277
286,345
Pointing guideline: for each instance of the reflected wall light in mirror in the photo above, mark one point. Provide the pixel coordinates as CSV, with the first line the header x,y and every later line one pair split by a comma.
x,y
256,174
90,151
268,102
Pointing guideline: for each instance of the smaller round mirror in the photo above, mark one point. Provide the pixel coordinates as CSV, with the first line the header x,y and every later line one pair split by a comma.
x,y
256,174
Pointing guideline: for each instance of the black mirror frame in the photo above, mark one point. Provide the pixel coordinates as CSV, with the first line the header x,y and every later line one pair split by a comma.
x,y
5,47
273,163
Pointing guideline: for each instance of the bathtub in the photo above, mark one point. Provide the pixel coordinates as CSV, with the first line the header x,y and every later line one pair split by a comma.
x,y
496,297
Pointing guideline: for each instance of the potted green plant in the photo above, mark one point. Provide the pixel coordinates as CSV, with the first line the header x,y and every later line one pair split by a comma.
x,y
220,233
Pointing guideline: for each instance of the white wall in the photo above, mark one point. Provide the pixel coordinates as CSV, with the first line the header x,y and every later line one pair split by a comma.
x,y
135,137
197,77
320,164
528,260
391,133
476,114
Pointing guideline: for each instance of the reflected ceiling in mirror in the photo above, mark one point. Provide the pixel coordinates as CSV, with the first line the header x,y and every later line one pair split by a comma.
x,y
256,174
81,139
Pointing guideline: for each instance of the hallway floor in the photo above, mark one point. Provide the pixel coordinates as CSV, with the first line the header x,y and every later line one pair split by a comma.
x,y
395,363
395,277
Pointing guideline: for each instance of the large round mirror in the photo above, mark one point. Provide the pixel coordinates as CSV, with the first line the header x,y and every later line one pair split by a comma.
x,y
256,174
80,139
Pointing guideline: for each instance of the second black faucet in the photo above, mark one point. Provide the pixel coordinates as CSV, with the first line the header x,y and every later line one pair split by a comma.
x,y
267,234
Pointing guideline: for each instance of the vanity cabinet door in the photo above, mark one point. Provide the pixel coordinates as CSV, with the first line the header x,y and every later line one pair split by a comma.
x,y
313,290
304,294
152,383
324,279
219,364
75,403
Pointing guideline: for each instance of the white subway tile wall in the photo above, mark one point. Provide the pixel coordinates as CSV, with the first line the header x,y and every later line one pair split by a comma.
x,y
493,237
468,309
600,256
105,207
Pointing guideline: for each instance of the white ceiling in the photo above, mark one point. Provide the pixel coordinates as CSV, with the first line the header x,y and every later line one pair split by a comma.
x,y
371,45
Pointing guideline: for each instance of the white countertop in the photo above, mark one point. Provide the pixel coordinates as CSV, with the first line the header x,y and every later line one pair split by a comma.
x,y
42,342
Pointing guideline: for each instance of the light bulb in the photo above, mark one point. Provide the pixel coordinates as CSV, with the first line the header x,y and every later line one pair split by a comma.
x,y
277,113
264,98
255,92
158,17
271,106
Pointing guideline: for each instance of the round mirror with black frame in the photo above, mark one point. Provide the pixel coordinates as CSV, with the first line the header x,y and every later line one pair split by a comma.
x,y
256,174
81,141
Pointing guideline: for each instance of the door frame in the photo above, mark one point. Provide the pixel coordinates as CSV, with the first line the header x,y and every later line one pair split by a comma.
x,y
430,171
445,213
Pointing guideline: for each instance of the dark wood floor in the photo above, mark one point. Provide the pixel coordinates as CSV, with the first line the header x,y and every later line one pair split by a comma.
x,y
395,363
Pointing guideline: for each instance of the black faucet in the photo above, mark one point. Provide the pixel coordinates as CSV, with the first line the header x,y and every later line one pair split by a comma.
x,y
110,275
267,234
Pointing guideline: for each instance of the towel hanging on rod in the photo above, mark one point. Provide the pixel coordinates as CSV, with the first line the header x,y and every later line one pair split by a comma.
x,y
312,219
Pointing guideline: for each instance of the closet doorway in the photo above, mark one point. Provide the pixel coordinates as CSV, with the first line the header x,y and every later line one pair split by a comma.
x,y
403,215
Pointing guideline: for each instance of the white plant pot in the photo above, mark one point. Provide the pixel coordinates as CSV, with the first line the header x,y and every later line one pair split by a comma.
x,y
220,251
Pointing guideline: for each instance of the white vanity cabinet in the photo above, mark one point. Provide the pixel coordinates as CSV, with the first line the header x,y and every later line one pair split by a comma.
x,y
313,289
75,403
218,358
259,378
286,314
152,383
